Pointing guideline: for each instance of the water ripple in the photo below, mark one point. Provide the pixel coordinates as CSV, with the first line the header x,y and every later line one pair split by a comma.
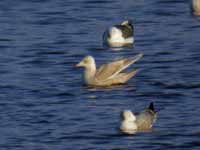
x,y
44,102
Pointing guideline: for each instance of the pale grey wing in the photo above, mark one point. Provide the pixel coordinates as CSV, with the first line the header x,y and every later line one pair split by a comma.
x,y
145,120
110,70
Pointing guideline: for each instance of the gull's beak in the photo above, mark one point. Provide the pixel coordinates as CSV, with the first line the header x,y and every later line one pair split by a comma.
x,y
79,64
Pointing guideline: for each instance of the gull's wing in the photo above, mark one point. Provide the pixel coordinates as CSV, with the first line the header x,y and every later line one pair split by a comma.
x,y
145,120
110,70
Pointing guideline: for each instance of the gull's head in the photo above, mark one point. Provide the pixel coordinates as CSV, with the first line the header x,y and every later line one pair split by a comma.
x,y
86,62
128,115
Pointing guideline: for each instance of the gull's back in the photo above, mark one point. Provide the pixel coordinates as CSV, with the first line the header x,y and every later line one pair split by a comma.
x,y
145,120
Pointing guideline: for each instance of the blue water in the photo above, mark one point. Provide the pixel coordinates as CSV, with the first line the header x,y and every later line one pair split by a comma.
x,y
44,104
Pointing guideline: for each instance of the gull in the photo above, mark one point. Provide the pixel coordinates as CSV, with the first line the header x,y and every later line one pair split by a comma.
x,y
121,35
142,122
107,74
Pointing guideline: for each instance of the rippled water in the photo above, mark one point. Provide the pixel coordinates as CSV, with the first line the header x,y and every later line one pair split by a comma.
x,y
43,101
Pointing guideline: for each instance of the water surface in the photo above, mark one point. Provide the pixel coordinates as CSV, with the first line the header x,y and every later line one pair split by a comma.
x,y
44,103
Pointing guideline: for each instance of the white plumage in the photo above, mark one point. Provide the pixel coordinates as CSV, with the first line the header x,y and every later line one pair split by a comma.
x,y
121,35
128,124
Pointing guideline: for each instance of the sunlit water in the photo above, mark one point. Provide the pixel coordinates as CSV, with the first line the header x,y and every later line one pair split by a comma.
x,y
44,103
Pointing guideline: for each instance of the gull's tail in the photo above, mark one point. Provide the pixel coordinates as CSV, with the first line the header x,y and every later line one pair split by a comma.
x,y
151,107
